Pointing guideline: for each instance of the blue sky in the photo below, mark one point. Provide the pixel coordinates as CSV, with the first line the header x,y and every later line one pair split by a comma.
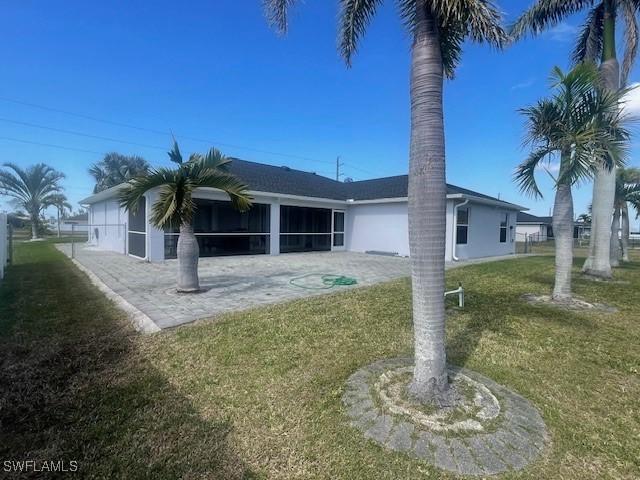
x,y
215,71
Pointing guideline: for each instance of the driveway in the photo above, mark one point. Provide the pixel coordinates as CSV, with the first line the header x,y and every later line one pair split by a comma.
x,y
229,283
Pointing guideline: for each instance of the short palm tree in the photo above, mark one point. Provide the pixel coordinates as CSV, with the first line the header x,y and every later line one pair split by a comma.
x,y
175,206
583,126
61,203
32,189
115,169
596,41
438,31
627,192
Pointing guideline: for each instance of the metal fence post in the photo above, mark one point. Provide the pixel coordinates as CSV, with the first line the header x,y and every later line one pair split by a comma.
x,y
72,240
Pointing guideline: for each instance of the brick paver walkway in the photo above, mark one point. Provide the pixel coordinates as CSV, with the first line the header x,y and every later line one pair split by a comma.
x,y
231,283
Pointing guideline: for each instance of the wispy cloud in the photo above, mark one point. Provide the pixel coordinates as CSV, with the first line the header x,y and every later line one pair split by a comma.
x,y
632,100
526,84
563,32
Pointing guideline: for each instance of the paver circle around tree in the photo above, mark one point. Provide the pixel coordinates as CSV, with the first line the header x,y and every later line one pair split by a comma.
x,y
489,430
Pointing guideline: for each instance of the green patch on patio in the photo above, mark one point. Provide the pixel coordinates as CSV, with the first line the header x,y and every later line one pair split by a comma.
x,y
257,394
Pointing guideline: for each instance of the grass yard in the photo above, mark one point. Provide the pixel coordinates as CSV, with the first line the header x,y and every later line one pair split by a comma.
x,y
257,394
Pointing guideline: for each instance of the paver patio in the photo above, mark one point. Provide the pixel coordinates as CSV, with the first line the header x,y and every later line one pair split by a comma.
x,y
230,283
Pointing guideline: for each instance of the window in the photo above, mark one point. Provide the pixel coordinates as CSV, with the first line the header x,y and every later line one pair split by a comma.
x,y
504,223
462,226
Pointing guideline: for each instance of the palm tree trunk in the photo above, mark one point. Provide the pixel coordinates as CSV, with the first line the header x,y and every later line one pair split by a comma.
x,y
34,227
188,253
563,234
625,232
604,185
427,205
615,239
58,222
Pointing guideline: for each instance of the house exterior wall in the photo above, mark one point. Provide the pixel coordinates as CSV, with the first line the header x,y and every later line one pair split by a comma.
x,y
107,226
484,232
368,226
384,227
381,227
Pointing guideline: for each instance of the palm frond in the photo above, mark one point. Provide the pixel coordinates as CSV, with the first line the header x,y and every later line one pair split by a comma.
x,y
174,154
231,185
277,13
524,175
630,38
484,22
589,44
545,14
354,18
137,187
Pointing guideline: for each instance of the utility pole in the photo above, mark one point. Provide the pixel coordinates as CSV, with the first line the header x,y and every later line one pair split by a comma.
x,y
338,165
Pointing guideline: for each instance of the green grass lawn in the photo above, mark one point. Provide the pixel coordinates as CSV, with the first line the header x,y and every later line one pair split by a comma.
x,y
257,394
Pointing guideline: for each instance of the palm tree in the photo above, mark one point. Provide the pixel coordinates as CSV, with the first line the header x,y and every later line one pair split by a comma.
x,y
583,125
627,191
597,40
60,201
175,206
438,30
584,218
115,169
31,188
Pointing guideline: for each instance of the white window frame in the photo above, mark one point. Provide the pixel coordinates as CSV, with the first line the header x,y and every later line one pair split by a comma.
x,y
458,224
503,216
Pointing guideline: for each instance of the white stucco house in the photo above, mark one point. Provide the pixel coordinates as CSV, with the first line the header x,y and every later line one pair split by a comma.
x,y
296,211
534,228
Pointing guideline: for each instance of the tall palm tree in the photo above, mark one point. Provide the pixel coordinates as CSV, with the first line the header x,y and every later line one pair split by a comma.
x,y
627,191
438,30
597,40
31,188
583,125
175,206
61,203
115,169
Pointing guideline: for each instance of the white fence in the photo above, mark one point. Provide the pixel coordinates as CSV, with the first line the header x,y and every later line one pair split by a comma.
x,y
4,243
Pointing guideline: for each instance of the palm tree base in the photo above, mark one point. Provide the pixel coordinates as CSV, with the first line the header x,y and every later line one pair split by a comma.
x,y
188,290
601,274
430,393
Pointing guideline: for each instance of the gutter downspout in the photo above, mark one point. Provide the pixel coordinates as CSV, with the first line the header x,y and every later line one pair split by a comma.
x,y
455,229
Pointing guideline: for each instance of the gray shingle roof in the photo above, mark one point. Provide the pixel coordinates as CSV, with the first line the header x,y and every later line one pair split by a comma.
x,y
285,180
528,218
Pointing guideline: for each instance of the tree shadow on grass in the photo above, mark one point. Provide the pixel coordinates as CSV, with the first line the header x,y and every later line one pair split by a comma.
x,y
482,316
76,385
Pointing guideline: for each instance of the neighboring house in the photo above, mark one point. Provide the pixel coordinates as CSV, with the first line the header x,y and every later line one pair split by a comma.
x,y
75,223
296,211
535,229
540,229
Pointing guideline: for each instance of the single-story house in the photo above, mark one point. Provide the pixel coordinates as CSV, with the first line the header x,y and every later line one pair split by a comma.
x,y
540,229
74,223
296,211
534,228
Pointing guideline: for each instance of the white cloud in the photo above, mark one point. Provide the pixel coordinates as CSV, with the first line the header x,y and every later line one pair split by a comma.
x,y
563,32
526,84
632,100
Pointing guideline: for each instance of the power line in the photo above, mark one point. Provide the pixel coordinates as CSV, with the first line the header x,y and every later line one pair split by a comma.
x,y
80,134
50,145
159,132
